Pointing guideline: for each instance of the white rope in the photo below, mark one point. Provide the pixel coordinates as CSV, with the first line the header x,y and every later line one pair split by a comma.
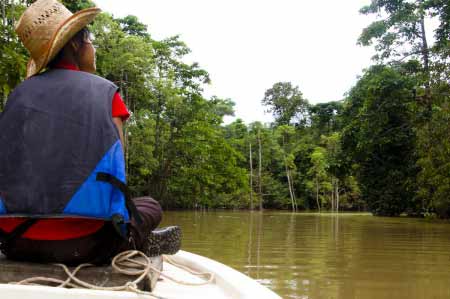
x,y
127,263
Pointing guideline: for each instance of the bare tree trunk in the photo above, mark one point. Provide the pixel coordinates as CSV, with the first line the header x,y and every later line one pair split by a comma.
x,y
13,25
156,177
259,172
156,148
293,191
332,195
4,20
13,20
251,176
288,175
426,64
289,184
337,195
317,194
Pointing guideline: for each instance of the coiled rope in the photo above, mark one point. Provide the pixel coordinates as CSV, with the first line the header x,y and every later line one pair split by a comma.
x,y
128,263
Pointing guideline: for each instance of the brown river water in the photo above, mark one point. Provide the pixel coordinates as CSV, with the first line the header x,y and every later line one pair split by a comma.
x,y
318,256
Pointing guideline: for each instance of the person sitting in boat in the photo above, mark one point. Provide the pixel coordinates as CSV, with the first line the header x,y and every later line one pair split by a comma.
x,y
63,196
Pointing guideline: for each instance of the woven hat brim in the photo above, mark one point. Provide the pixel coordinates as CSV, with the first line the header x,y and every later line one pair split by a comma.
x,y
62,35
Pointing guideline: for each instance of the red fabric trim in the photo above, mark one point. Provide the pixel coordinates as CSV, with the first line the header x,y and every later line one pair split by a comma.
x,y
55,229
118,108
62,64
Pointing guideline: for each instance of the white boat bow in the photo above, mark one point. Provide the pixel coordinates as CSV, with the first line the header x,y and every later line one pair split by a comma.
x,y
228,283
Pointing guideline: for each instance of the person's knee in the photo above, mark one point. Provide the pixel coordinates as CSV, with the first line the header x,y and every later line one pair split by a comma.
x,y
158,210
149,208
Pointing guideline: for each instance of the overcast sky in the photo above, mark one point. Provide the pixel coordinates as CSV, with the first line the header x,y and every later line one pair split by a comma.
x,y
248,45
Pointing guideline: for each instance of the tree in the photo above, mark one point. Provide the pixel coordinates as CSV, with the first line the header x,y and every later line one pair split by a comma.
x,y
269,167
286,103
441,10
333,157
76,5
131,25
286,136
378,138
401,34
319,177
434,162
13,55
324,117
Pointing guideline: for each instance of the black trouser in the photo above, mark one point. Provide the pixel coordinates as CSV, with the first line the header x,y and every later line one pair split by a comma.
x,y
97,248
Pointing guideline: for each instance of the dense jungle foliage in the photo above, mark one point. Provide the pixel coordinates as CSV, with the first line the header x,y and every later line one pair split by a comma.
x,y
385,147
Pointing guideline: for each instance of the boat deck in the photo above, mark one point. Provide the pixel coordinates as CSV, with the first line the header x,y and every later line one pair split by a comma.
x,y
12,271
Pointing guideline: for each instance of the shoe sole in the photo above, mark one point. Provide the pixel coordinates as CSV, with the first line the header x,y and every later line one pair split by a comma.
x,y
166,241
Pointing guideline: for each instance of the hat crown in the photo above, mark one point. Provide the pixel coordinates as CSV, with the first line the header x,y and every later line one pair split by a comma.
x,y
39,23
45,28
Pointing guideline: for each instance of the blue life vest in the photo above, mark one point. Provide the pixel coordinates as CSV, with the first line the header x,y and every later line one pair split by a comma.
x,y
60,152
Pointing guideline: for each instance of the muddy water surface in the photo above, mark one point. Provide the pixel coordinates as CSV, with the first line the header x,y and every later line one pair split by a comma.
x,y
325,256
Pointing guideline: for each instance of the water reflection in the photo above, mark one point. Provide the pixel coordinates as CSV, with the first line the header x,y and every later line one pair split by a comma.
x,y
325,256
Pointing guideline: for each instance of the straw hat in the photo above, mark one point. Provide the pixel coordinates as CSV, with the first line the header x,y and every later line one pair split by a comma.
x,y
45,27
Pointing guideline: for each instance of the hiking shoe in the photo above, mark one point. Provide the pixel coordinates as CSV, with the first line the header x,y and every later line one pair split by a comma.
x,y
166,240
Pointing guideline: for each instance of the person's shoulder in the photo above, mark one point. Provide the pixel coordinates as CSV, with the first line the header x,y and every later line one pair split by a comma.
x,y
80,76
96,78
20,94
31,81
